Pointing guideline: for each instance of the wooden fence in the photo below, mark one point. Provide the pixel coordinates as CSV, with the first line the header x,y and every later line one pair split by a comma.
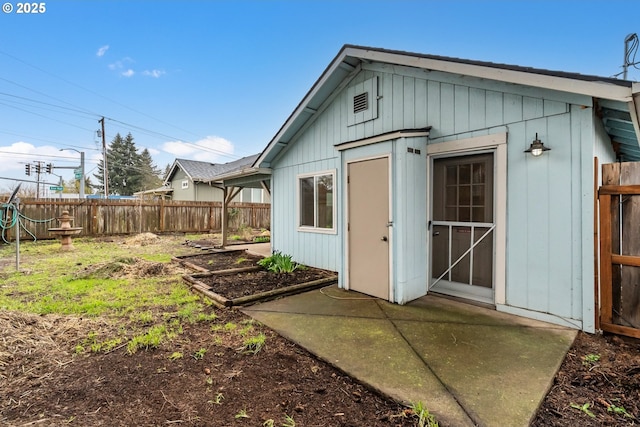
x,y
619,200
99,217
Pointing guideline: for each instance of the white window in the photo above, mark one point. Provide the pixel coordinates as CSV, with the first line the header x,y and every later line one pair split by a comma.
x,y
316,202
185,184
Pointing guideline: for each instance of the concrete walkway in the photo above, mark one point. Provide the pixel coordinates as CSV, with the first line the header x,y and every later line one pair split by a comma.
x,y
468,365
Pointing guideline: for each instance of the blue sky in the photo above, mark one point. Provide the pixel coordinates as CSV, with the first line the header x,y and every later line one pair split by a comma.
x,y
215,80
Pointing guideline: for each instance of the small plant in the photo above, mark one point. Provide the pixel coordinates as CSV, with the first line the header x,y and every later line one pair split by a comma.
x,y
204,317
590,359
241,260
425,418
269,423
245,329
280,263
584,408
230,326
262,239
151,339
217,400
619,410
288,421
175,355
242,414
253,345
199,355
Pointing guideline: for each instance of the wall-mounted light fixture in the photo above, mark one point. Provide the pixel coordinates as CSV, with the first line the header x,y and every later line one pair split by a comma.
x,y
537,147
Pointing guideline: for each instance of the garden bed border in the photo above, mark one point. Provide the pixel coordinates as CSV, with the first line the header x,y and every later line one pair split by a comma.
x,y
222,301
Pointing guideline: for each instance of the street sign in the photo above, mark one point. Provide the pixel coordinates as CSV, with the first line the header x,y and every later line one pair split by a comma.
x,y
56,188
78,175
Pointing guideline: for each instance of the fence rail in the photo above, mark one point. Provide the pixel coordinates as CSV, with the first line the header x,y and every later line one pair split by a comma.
x,y
99,217
619,208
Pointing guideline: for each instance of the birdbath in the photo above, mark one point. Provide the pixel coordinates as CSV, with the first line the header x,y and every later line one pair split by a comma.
x,y
65,231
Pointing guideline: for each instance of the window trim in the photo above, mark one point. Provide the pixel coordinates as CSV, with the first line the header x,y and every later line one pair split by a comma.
x,y
184,184
315,229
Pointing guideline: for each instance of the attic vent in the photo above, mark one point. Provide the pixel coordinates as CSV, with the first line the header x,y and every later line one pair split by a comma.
x,y
360,102
365,101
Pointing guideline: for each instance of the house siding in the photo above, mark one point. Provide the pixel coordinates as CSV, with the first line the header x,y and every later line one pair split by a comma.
x,y
549,199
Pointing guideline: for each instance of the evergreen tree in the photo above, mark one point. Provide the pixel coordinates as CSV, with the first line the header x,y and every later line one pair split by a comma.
x,y
150,172
128,170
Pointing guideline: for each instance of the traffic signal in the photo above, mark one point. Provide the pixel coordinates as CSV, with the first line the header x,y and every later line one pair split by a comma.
x,y
37,168
49,167
27,169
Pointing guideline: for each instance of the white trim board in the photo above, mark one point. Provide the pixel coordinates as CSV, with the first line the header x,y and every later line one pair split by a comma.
x,y
497,142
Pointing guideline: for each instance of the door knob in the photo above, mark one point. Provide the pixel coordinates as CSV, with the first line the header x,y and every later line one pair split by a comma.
x,y
384,238
435,233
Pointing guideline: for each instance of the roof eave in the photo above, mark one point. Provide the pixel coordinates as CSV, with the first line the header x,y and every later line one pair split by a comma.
x,y
241,173
350,55
490,71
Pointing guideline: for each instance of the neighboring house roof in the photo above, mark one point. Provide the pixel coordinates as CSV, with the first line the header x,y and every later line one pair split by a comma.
x,y
198,171
619,100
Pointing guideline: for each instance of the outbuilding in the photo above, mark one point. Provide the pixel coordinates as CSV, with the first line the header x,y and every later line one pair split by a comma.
x,y
409,173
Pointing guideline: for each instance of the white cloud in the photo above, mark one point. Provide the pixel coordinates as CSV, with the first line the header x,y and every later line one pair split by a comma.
x,y
210,149
102,51
128,73
120,64
151,150
154,73
14,157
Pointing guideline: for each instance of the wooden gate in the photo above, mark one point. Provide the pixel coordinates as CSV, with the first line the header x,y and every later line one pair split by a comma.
x,y
619,203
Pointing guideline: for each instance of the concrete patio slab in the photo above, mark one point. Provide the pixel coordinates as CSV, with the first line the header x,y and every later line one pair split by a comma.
x,y
469,365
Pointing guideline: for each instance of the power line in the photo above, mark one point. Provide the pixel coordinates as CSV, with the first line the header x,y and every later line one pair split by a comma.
x,y
90,113
86,113
46,117
95,93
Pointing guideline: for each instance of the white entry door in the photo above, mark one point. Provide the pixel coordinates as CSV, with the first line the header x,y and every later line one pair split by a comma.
x,y
368,227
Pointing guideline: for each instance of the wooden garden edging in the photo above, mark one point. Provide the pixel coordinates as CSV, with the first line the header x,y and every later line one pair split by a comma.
x,y
221,301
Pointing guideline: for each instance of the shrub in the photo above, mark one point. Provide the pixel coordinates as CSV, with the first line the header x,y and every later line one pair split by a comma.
x,y
280,263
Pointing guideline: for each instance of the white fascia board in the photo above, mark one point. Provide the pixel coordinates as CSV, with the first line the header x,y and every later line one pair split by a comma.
x,y
563,84
634,111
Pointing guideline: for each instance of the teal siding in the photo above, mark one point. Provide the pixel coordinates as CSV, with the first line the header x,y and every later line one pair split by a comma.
x,y
314,249
409,219
549,258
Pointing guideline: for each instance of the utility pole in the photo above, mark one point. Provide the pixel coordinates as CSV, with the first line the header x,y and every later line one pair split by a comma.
x,y
105,172
38,167
627,52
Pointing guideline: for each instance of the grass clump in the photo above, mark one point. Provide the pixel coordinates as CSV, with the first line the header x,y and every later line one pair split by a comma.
x,y
253,345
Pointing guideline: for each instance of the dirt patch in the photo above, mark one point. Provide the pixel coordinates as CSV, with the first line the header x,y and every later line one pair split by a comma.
x,y
45,384
127,267
215,261
598,384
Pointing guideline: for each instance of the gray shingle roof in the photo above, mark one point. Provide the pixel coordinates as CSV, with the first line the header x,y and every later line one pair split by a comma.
x,y
205,171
